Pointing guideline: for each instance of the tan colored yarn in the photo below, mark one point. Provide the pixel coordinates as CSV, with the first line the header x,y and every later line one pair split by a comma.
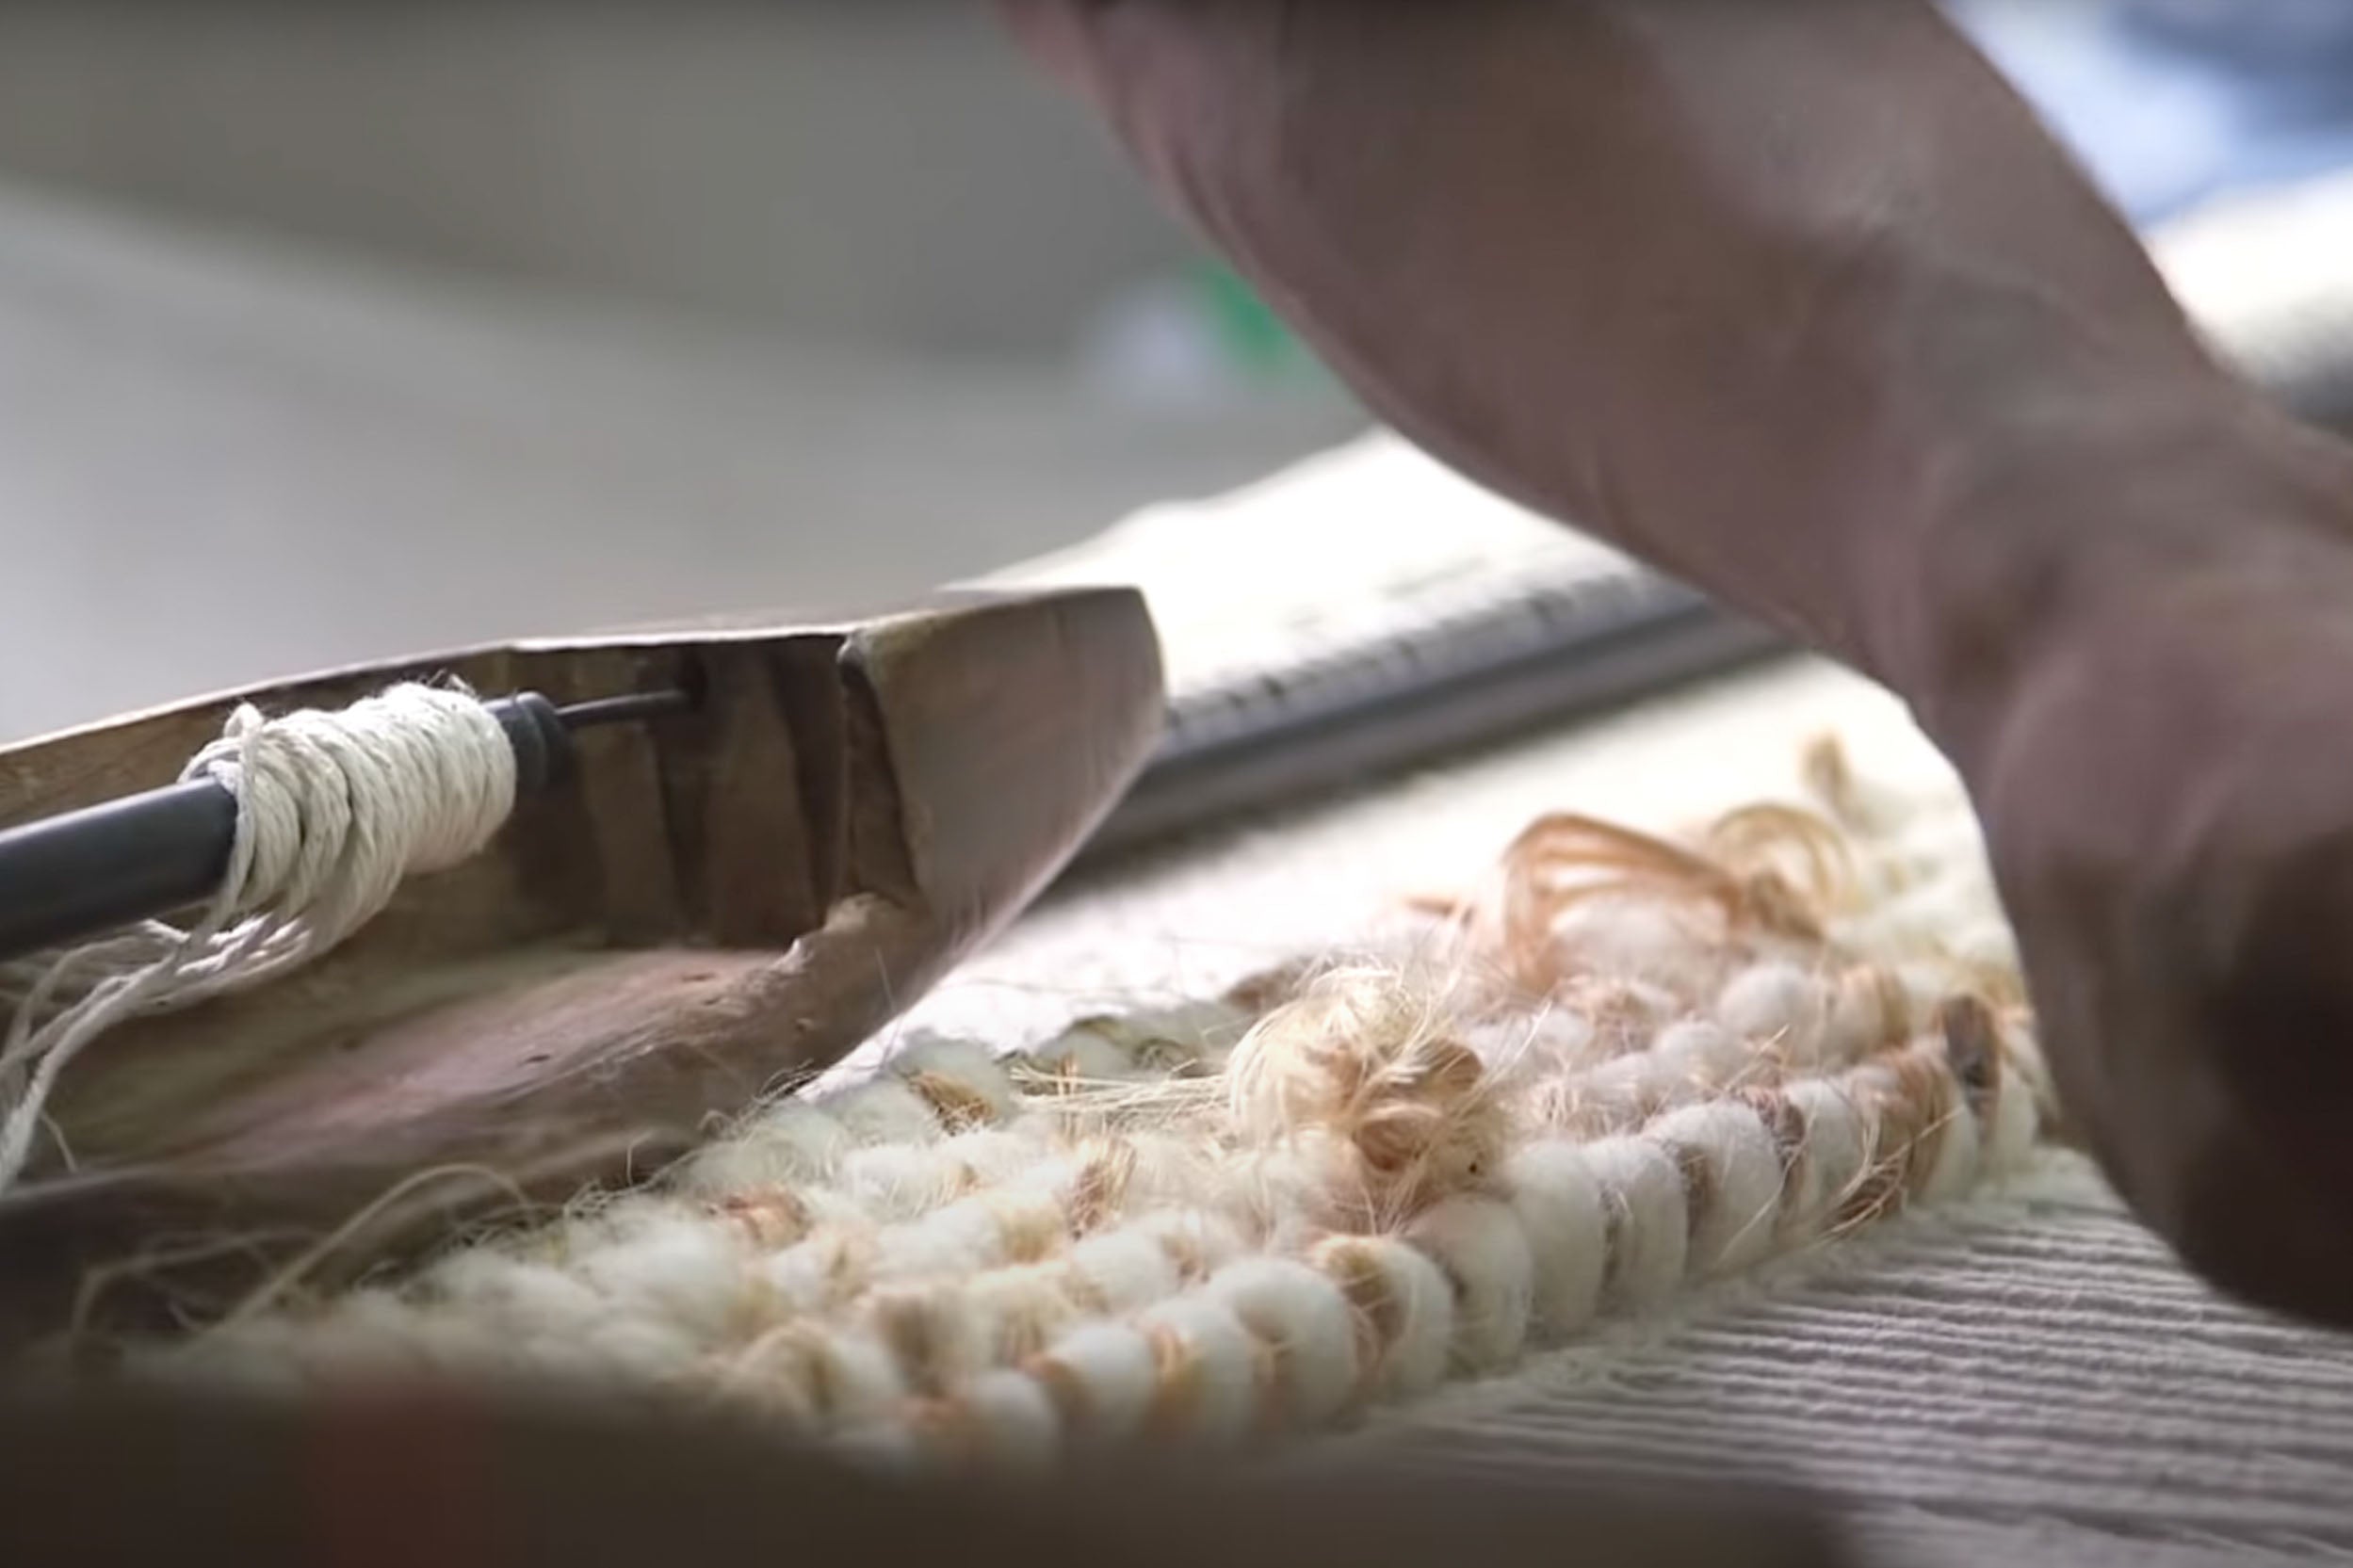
x,y
1623,1066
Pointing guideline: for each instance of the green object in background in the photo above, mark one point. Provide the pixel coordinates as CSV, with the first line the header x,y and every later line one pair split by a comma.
x,y
1249,332
1197,334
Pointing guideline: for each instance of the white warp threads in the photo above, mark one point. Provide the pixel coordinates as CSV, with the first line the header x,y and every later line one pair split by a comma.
x,y
335,810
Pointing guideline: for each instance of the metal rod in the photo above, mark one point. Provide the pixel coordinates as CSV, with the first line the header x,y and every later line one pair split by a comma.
x,y
625,709
71,877
1411,694
65,879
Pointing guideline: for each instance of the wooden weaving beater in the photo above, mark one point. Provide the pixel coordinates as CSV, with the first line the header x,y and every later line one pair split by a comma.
x,y
723,892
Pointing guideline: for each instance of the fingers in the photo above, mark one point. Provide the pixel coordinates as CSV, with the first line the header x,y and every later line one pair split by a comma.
x,y
2264,1198
2169,822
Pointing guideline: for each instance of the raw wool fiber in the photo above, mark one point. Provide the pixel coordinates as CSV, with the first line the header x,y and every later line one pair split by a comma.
x,y
1621,1067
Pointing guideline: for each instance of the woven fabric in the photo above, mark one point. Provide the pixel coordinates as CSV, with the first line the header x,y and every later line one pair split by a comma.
x,y
2023,1380
2022,1377
1623,1068
2034,1381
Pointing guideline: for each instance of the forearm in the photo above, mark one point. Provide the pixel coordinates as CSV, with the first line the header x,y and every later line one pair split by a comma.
x,y
1792,299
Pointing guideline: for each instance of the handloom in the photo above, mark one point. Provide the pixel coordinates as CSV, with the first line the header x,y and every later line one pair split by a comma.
x,y
2015,1374
1632,1384
1625,1065
341,804
2011,1372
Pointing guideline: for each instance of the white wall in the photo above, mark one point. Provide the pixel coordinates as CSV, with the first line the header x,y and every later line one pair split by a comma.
x,y
335,332
859,168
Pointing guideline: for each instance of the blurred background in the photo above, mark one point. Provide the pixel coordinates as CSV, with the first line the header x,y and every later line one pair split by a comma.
x,y
334,333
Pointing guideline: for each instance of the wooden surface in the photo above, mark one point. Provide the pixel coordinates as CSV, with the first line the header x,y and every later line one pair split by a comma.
x,y
719,904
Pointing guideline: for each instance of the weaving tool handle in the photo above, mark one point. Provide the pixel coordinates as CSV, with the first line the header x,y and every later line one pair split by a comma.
x,y
71,877
710,908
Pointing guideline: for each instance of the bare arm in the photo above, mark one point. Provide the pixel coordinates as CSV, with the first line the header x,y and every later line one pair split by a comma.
x,y
1752,289
1798,301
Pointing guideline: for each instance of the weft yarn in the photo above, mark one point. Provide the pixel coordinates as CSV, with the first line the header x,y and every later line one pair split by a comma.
x,y
1628,1068
335,810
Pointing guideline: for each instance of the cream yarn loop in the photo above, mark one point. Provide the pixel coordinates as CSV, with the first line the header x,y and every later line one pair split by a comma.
x,y
335,810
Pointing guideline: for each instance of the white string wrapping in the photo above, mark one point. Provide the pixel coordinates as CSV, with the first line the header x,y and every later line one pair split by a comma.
x,y
335,810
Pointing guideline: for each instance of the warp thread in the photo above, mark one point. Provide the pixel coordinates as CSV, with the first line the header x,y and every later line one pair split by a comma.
x,y
335,810
1267,1212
